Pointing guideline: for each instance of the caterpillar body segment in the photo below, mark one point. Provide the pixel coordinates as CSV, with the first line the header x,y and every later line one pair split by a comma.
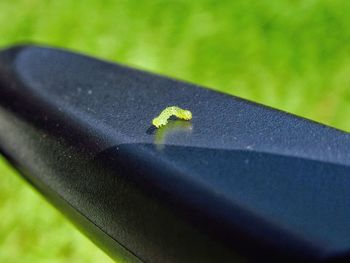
x,y
163,117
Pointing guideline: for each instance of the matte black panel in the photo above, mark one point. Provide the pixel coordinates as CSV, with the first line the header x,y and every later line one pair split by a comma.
x,y
239,182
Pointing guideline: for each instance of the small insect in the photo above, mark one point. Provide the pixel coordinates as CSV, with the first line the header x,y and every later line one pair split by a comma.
x,y
163,117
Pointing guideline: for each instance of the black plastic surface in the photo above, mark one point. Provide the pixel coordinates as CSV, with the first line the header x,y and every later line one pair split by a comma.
x,y
239,182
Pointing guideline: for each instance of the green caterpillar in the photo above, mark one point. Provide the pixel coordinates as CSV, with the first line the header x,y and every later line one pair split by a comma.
x,y
163,117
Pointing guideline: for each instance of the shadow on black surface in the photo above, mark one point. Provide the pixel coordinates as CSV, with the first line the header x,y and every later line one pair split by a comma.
x,y
252,201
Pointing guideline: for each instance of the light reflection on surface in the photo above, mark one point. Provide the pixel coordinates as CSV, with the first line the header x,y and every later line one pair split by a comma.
x,y
172,128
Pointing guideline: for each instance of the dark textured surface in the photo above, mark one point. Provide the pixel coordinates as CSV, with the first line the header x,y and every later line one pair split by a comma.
x,y
239,181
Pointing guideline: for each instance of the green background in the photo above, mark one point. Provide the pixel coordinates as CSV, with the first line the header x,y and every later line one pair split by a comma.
x,y
293,55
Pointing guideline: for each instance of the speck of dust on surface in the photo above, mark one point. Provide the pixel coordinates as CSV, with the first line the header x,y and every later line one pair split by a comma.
x,y
89,92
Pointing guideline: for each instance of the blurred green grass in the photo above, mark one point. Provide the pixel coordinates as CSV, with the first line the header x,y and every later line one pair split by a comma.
x,y
290,54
